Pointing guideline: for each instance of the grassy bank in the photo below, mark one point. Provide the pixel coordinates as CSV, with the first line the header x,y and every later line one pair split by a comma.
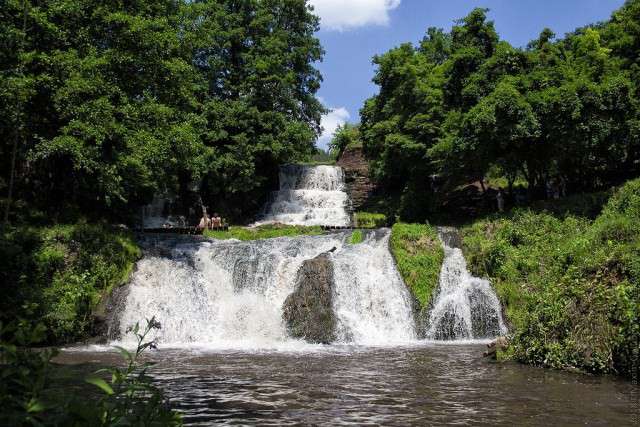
x,y
370,220
268,231
58,274
570,285
418,254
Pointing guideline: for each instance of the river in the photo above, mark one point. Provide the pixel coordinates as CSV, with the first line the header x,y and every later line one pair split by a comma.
x,y
424,384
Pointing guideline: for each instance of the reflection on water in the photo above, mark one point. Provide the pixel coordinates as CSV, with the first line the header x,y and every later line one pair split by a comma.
x,y
422,385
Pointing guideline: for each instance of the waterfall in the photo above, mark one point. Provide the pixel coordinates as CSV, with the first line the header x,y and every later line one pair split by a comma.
x,y
229,294
309,195
157,214
465,307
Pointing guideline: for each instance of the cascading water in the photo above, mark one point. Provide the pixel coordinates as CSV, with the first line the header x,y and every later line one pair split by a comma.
x,y
229,294
465,307
309,195
156,215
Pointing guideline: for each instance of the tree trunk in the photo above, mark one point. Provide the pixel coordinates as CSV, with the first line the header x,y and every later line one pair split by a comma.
x,y
14,154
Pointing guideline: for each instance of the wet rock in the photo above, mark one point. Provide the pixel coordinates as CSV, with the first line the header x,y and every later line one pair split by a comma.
x,y
106,316
308,311
485,319
450,236
493,347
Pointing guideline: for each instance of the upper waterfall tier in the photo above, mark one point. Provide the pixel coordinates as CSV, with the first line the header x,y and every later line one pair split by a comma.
x,y
230,294
309,195
465,307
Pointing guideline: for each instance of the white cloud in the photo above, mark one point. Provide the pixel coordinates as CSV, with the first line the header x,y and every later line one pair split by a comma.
x,y
346,14
330,122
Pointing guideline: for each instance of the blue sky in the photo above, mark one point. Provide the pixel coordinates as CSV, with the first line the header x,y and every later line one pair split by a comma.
x,y
353,31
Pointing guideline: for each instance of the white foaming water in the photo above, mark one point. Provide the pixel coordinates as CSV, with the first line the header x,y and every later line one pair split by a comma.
x,y
466,307
309,195
229,294
371,301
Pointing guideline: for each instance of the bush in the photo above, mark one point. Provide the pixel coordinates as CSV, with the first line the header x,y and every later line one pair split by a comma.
x,y
60,274
419,255
570,286
370,220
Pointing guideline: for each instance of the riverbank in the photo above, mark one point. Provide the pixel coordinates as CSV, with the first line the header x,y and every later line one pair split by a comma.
x,y
58,275
570,285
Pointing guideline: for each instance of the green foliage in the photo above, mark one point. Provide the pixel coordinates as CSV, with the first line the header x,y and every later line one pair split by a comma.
x,y
356,237
267,231
110,103
464,103
570,286
346,135
30,396
419,255
60,273
371,220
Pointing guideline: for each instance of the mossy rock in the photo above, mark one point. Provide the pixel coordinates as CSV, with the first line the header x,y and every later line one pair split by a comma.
x,y
308,311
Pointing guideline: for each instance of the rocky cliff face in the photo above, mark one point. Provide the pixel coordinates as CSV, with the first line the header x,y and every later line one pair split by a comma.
x,y
308,311
356,169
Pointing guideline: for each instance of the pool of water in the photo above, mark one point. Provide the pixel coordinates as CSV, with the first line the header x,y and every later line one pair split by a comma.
x,y
427,384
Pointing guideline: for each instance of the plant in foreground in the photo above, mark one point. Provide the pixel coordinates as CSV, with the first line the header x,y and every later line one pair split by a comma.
x,y
126,397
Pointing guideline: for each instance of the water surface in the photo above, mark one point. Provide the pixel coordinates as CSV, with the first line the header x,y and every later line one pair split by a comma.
x,y
429,384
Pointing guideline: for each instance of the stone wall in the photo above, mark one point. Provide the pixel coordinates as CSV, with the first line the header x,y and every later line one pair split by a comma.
x,y
356,168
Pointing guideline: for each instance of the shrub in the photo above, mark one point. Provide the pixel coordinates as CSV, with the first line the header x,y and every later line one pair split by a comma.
x,y
370,220
61,273
570,286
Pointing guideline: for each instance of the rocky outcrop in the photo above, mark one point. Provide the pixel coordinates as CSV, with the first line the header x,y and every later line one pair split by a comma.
x,y
308,311
356,172
450,236
106,316
499,344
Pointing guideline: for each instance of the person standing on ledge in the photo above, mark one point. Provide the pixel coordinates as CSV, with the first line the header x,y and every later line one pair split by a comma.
x,y
216,222
205,222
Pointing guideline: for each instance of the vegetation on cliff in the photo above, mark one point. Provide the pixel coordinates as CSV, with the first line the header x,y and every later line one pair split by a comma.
x,y
418,254
570,285
57,275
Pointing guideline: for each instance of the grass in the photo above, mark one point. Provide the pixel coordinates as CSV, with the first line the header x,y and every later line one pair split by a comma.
x,y
356,237
419,255
570,284
268,231
60,273
370,220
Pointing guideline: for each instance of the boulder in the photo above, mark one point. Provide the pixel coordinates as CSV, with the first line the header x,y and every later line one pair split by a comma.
x,y
493,347
308,311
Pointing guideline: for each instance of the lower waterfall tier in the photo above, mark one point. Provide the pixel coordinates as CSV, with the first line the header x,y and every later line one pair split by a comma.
x,y
230,294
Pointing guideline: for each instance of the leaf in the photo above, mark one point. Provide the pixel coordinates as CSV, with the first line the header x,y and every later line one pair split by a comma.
x,y
35,405
99,382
